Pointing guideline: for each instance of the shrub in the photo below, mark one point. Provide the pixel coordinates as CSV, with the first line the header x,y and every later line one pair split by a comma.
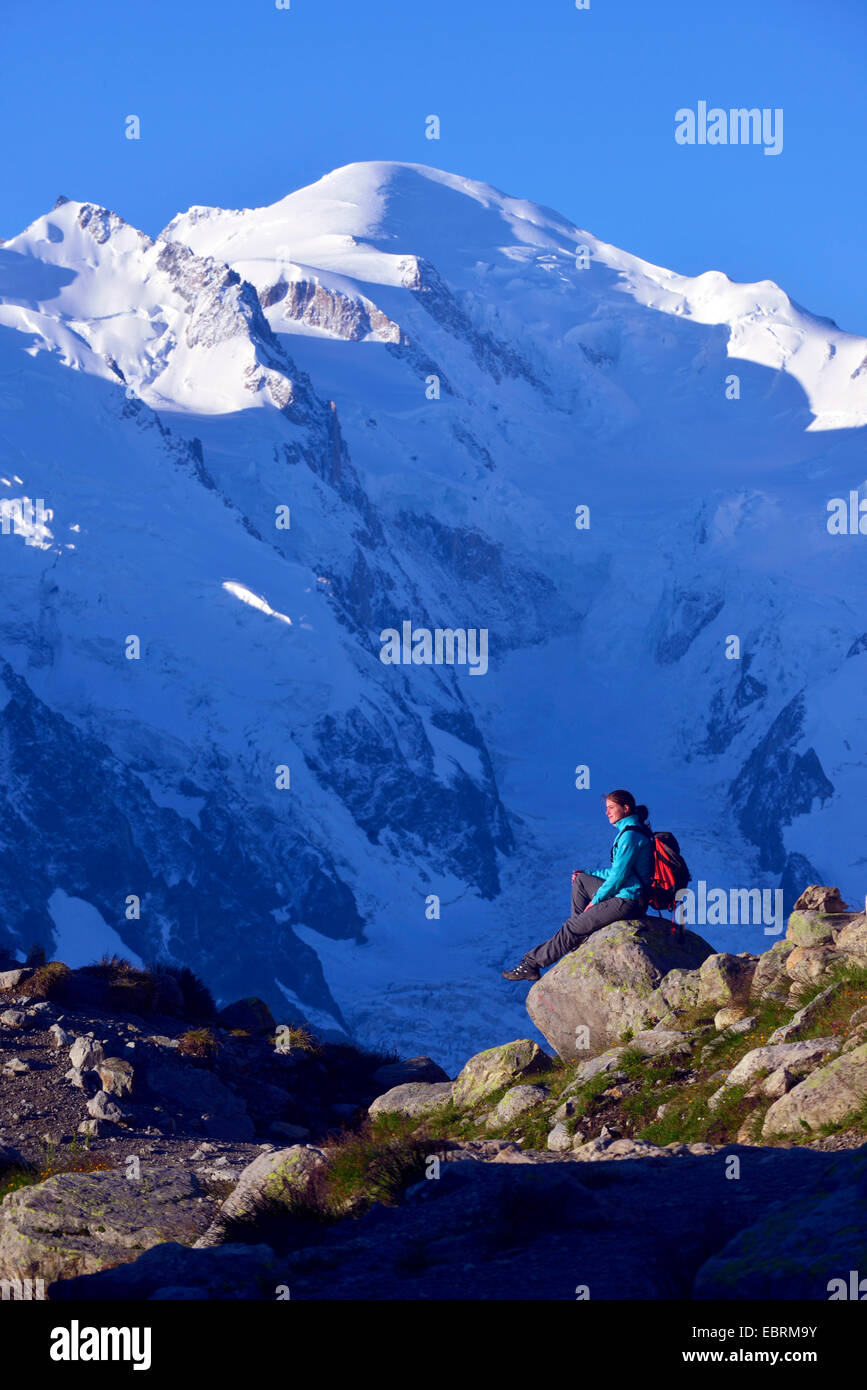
x,y
199,1004
296,1035
286,1223
364,1168
49,981
201,1043
156,988
126,985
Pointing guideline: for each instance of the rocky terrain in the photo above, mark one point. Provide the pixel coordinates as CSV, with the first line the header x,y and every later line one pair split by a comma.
x,y
700,1132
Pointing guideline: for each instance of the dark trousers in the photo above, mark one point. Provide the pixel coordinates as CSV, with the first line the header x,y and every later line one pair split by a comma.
x,y
581,923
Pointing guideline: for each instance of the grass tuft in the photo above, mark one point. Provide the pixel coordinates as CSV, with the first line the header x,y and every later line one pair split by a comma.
x,y
372,1164
200,1043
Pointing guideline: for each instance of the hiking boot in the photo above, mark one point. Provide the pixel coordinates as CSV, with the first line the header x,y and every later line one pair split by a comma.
x,y
525,971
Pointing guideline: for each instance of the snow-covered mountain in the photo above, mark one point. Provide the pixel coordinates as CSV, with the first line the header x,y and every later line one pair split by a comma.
x,y
269,435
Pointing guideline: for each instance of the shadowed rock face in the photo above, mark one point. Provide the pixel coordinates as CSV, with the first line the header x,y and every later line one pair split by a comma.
x,y
75,818
174,1271
803,1251
502,1224
605,986
778,783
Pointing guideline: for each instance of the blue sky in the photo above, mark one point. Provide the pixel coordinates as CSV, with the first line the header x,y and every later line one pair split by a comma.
x,y
241,102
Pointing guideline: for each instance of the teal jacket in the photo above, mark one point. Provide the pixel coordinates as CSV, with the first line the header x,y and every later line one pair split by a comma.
x,y
629,872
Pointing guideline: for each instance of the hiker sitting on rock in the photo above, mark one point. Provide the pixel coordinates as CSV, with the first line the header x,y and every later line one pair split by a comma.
x,y
611,895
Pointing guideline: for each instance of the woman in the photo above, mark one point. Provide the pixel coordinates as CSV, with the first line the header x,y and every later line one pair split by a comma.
x,y
608,896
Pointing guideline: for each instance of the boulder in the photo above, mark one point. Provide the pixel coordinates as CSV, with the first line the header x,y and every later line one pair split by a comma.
x,y
116,1076
13,1018
517,1101
605,1062
10,979
272,1174
488,1071
413,1098
176,1271
559,1139
828,1096
725,979
797,1057
199,1098
283,1130
413,1069
813,928
818,897
605,986
679,990
252,1015
725,1017
807,964
770,980
59,1037
86,1053
852,939
77,1223
102,1107
656,1042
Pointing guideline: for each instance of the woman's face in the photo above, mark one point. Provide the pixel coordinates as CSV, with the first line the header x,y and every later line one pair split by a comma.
x,y
614,811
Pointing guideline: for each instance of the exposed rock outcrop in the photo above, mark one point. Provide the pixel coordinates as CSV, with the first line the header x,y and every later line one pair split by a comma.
x,y
77,1223
606,986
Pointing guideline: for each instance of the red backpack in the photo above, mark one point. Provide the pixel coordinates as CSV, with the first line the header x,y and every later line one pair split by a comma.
x,y
668,875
